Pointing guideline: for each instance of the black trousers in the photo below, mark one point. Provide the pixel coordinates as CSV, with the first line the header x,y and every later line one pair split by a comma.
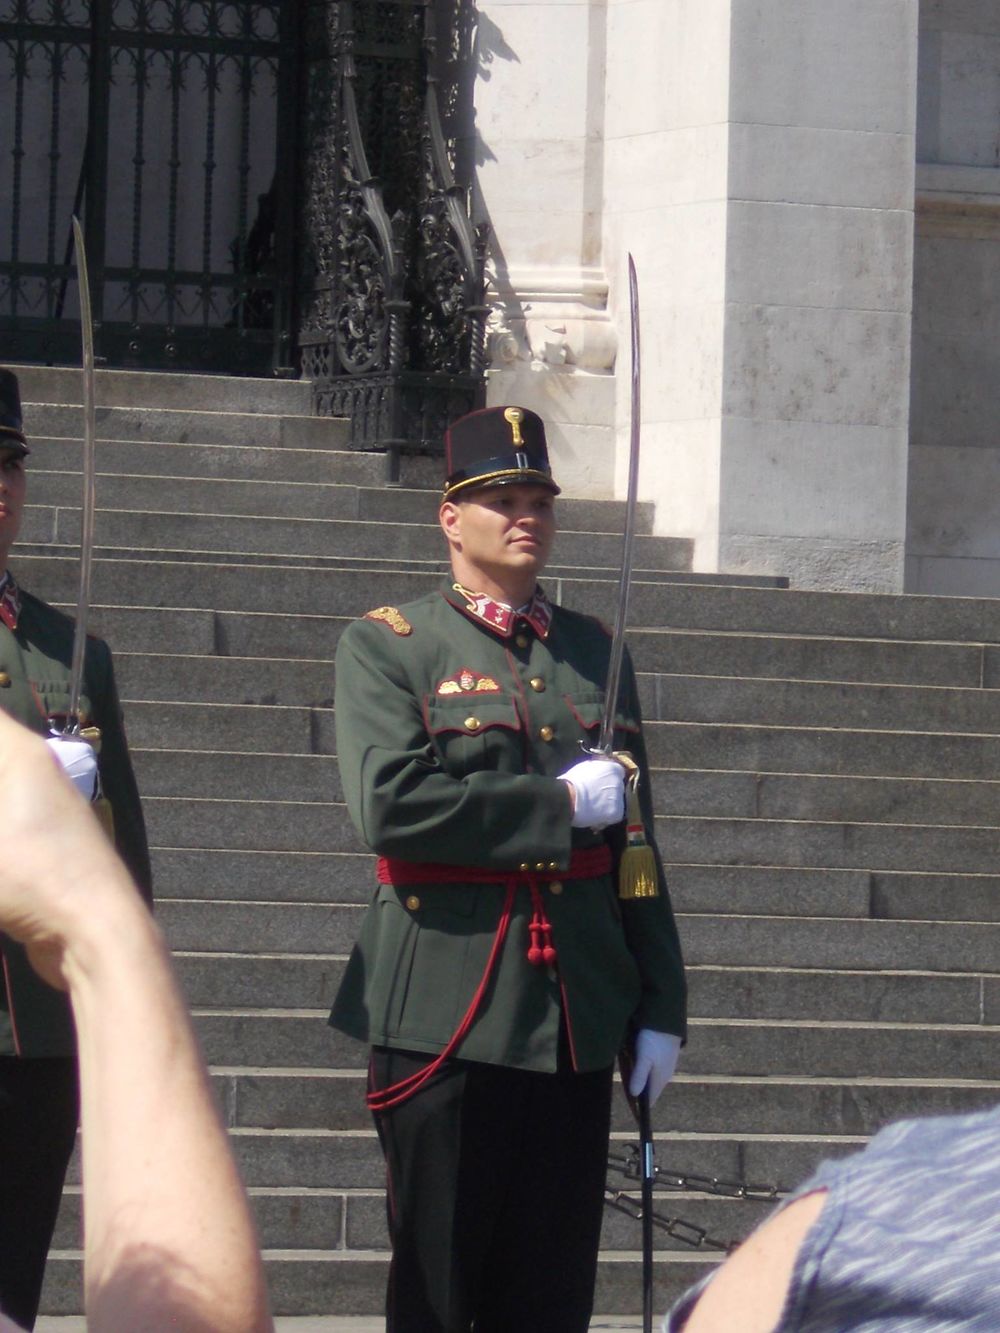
x,y
495,1195
38,1115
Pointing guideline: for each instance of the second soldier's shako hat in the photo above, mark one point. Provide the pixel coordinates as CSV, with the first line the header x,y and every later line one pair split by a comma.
x,y
11,421
498,446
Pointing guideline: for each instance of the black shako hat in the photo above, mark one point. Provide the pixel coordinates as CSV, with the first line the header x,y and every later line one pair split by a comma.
x,y
498,446
11,421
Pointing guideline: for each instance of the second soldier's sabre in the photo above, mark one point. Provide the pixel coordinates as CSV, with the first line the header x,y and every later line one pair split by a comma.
x,y
605,737
72,722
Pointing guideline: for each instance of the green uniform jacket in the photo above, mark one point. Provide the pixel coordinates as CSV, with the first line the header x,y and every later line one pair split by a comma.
x,y
34,686
450,735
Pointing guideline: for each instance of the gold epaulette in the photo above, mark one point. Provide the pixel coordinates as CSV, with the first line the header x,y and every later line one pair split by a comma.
x,y
396,621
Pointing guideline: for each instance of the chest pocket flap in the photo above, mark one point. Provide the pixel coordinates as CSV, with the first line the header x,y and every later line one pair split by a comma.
x,y
470,714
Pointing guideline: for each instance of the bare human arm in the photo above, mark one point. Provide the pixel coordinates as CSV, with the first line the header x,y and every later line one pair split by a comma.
x,y
170,1242
748,1292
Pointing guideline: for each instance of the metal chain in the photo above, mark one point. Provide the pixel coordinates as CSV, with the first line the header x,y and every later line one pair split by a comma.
x,y
688,1233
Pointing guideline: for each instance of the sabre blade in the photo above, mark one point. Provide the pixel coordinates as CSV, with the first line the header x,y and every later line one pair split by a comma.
x,y
72,722
605,741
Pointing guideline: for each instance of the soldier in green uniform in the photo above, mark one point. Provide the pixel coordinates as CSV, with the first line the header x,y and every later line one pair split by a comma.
x,y
38,1096
498,972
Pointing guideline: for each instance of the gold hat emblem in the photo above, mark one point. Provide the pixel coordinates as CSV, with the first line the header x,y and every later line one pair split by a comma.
x,y
515,415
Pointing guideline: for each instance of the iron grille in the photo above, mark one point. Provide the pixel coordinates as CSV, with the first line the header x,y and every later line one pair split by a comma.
x,y
168,124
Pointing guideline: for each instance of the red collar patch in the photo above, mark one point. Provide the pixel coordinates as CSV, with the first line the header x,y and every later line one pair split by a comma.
x,y
503,619
10,601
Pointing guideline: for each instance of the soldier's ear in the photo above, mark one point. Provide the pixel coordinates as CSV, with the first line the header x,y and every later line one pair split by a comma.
x,y
450,518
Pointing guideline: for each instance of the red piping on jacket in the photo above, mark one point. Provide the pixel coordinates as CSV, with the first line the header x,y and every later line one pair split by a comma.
x,y
586,863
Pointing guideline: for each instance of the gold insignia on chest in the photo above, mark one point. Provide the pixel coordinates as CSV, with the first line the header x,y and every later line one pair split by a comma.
x,y
391,617
467,681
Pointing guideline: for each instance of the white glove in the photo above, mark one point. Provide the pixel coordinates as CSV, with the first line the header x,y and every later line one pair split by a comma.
x,y
599,788
655,1061
78,761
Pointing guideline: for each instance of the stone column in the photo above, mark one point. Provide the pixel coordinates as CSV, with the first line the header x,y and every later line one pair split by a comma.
x,y
819,275
757,158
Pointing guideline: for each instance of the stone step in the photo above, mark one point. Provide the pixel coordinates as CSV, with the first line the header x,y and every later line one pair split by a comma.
x,y
343,489
801,796
185,424
831,1049
235,587
343,1160
810,892
344,877
225,681
184,535
795,703
734,608
683,652
209,773
327,1220
228,678
157,389
170,460
790,657
239,776
306,1283
863,752
324,827
309,979
284,728
247,728
312,877
848,945
936,897
55,479
841,944
837,846
329,1099
226,586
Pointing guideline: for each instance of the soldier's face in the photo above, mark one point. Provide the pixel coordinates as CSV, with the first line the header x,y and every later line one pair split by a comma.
x,y
501,533
13,486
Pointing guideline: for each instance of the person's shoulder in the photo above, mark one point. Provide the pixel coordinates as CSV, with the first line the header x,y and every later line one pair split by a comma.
x,y
45,625
52,630
580,623
391,624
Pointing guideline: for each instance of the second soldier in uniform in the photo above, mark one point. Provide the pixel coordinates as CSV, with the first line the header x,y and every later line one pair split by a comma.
x,y
38,1087
498,972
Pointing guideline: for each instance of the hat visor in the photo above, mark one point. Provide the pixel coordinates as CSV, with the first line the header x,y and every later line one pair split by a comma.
x,y
511,477
12,441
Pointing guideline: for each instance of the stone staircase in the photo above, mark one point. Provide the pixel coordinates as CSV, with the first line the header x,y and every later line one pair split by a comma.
x,y
825,780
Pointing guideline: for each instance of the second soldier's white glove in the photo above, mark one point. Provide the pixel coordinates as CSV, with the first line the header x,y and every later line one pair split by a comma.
x,y
655,1061
599,792
78,761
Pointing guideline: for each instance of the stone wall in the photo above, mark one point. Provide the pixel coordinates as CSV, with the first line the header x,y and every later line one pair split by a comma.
x,y
953,530
757,160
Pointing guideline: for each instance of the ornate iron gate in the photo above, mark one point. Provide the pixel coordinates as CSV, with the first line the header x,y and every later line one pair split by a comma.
x,y
168,123
391,330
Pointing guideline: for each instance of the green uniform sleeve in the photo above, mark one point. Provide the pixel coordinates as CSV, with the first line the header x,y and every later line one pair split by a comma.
x,y
115,765
403,802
